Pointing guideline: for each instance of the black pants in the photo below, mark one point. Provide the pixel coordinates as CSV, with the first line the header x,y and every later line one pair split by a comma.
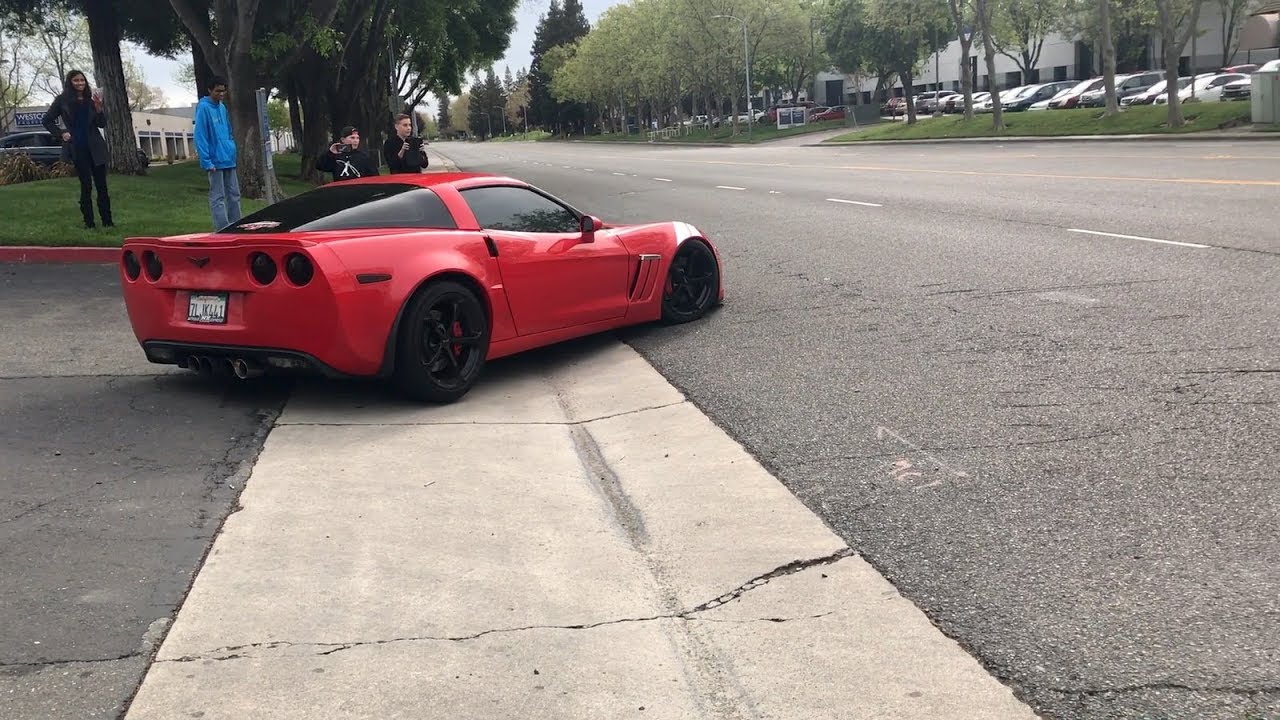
x,y
93,175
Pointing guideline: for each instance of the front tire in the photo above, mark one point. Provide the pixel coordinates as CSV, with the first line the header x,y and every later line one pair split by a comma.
x,y
443,343
693,283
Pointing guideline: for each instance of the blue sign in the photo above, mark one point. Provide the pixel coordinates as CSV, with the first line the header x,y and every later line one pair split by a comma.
x,y
28,119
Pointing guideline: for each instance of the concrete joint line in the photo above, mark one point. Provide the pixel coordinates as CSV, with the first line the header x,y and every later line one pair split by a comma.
x,y
493,423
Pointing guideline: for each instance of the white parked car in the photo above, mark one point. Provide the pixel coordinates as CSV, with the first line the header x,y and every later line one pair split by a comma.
x,y
1208,89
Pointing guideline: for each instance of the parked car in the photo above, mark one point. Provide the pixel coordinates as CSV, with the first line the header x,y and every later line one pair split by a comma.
x,y
834,113
1207,89
1242,89
1071,98
928,102
1035,94
39,145
1148,96
1126,85
43,148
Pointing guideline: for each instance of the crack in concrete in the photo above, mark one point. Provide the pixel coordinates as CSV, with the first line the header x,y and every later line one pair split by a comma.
x,y
234,652
71,661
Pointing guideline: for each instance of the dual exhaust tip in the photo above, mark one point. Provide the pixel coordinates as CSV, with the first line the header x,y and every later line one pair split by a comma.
x,y
240,367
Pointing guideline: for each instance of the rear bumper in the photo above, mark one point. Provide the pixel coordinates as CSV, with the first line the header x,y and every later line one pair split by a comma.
x,y
220,357
332,325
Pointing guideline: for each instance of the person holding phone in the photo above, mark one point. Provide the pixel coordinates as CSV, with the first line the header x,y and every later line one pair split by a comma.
x,y
82,113
345,159
403,151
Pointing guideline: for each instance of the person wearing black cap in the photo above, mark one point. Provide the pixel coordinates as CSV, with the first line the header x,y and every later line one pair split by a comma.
x,y
345,159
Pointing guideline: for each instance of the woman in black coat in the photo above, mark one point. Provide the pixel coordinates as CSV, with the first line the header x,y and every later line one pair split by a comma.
x,y
82,145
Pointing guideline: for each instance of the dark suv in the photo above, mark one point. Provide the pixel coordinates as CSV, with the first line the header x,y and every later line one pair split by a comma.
x,y
43,148
39,145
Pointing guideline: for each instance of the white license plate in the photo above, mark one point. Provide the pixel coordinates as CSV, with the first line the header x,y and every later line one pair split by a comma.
x,y
207,308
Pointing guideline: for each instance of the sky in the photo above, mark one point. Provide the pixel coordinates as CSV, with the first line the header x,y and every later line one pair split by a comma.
x,y
161,71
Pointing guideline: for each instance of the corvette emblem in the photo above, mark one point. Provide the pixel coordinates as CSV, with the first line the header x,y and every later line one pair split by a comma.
x,y
199,261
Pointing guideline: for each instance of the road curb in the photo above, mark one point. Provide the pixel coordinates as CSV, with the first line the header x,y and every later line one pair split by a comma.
x,y
67,255
1173,137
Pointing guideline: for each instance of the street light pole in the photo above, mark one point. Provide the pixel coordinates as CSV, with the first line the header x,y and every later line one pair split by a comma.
x,y
746,55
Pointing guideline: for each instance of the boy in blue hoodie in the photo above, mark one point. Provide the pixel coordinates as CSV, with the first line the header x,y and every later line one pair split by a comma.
x,y
217,150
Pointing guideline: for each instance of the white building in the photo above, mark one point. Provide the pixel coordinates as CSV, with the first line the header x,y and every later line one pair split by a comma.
x,y
1064,58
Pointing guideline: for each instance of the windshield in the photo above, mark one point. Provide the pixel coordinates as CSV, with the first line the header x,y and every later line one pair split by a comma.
x,y
338,206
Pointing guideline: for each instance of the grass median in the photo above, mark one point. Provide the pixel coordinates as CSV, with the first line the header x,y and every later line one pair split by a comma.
x,y
168,200
721,135
1141,120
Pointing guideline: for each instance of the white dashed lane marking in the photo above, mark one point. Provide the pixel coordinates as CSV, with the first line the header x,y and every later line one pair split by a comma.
x,y
1137,237
853,202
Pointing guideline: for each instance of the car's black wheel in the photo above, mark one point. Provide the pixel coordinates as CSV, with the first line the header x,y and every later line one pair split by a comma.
x,y
444,338
693,283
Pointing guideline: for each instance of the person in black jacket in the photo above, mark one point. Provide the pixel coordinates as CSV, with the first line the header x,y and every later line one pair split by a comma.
x,y
82,145
402,151
345,159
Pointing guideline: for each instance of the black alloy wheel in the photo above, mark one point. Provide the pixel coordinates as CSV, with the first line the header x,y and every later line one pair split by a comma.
x,y
693,283
443,343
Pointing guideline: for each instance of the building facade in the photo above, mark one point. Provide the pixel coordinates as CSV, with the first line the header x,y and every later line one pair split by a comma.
x,y
1061,58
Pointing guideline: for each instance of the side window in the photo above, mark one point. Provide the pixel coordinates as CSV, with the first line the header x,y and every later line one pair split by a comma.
x,y
518,209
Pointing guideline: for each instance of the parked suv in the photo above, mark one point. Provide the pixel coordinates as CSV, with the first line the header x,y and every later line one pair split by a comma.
x,y
43,148
38,145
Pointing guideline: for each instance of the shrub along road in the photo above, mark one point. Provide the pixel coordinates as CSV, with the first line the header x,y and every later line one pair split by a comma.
x,y
1035,385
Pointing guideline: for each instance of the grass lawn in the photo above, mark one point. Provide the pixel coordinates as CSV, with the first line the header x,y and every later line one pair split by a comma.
x,y
723,134
531,136
168,200
1144,119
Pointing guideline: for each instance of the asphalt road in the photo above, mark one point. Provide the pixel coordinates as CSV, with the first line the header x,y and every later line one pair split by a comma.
x,y
114,478
1060,444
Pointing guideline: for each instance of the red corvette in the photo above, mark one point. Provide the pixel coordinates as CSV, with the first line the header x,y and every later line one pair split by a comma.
x,y
417,279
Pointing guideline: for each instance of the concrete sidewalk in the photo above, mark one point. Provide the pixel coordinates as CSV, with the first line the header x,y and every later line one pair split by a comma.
x,y
572,540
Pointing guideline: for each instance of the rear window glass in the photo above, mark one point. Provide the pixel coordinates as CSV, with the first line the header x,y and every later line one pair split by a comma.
x,y
340,207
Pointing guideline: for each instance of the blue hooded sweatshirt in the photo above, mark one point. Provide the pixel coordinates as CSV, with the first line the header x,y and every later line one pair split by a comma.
x,y
214,143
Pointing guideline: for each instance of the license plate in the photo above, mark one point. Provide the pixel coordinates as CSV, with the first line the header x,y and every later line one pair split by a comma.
x,y
207,308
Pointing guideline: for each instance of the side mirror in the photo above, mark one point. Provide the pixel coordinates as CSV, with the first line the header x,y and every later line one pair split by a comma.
x,y
589,224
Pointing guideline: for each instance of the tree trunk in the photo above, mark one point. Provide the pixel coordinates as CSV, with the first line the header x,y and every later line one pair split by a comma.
x,y
242,105
1108,58
104,39
997,110
908,82
295,113
203,71
966,77
1172,53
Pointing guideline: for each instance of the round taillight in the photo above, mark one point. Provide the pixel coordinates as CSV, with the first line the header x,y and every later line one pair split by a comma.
x,y
152,263
132,268
299,269
262,267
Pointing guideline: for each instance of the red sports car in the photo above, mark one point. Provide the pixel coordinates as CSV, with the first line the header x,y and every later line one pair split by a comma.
x,y
419,279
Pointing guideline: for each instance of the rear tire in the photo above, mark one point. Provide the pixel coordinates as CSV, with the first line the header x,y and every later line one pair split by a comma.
x,y
692,286
443,343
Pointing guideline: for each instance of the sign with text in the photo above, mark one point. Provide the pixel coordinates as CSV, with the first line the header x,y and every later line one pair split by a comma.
x,y
28,119
789,117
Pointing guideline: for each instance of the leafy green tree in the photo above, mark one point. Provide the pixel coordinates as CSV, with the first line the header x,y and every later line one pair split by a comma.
x,y
896,33
964,25
561,24
1021,27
